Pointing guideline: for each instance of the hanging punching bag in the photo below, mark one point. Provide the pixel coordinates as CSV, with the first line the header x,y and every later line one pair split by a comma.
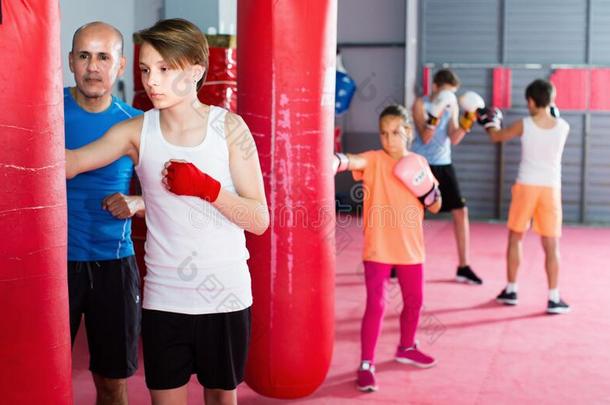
x,y
34,329
286,86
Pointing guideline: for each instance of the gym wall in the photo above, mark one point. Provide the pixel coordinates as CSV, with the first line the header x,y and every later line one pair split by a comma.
x,y
221,15
370,37
533,39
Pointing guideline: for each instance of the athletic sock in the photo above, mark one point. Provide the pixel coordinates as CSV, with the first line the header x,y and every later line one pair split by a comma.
x,y
366,365
511,288
554,295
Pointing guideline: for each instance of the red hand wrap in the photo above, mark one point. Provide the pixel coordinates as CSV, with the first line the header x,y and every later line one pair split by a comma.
x,y
185,179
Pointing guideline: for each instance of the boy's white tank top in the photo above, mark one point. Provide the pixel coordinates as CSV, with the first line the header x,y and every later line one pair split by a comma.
x,y
195,257
541,151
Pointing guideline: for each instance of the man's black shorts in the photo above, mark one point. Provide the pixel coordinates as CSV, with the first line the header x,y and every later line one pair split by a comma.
x,y
107,293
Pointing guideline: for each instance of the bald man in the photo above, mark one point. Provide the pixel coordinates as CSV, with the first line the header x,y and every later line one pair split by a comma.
x,y
103,279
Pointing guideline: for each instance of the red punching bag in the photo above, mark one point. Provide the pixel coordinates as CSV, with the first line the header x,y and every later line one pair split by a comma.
x,y
220,86
34,327
286,86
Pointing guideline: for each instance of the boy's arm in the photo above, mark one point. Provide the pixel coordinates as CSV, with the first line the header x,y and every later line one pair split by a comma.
x,y
247,207
505,134
455,132
419,118
120,140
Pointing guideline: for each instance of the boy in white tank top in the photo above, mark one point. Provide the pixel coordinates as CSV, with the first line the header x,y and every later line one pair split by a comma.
x,y
536,194
203,187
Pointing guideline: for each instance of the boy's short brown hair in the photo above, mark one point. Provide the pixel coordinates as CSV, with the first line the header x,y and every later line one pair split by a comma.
x,y
179,42
541,92
446,76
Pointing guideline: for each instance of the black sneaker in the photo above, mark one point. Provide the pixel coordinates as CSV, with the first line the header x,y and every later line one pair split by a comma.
x,y
557,307
507,298
466,275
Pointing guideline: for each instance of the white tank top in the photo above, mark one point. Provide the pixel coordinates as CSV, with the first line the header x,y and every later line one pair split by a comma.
x,y
541,151
195,257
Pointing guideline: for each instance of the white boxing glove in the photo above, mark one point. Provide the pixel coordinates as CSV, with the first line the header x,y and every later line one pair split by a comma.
x,y
340,163
445,100
470,102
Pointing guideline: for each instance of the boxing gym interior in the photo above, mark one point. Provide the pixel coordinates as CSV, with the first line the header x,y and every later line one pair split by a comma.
x,y
312,79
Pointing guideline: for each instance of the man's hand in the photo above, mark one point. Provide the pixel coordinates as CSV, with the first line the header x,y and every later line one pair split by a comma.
x,y
123,206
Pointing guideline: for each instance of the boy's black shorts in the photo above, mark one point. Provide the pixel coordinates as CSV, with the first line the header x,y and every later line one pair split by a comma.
x,y
213,346
450,189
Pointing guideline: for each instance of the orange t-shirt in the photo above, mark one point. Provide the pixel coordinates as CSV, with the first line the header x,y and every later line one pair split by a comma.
x,y
393,216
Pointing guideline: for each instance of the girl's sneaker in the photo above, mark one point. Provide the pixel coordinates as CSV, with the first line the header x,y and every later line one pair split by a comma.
x,y
412,355
366,378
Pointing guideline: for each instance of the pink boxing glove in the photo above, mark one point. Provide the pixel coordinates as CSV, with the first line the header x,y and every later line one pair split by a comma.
x,y
415,174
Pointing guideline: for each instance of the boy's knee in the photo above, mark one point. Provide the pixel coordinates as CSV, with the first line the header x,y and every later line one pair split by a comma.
x,y
515,237
219,397
459,212
110,389
550,243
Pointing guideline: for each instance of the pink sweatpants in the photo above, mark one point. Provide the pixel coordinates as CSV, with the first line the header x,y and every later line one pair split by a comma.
x,y
410,278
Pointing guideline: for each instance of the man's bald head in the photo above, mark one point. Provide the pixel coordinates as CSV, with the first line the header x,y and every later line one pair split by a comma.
x,y
96,59
99,28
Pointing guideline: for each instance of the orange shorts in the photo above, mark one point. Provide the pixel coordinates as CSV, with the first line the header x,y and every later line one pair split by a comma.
x,y
542,204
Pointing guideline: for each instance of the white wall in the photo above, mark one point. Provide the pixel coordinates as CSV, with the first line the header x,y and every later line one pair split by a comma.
x,y
378,72
227,17
411,51
147,13
126,15
219,14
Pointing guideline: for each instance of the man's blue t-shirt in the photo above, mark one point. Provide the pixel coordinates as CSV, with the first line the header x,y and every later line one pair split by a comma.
x,y
93,233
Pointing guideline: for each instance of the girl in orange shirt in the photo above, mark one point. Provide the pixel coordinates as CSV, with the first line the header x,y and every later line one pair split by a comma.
x,y
393,235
